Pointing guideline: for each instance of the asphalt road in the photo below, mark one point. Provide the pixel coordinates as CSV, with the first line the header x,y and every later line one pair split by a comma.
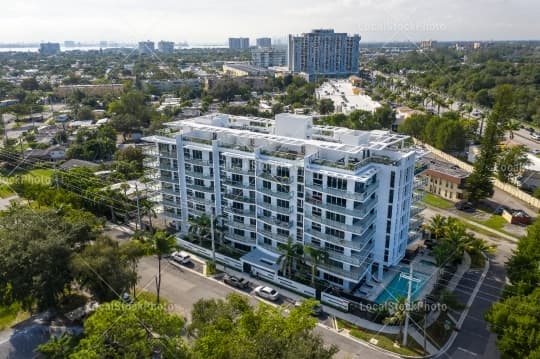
x,y
183,288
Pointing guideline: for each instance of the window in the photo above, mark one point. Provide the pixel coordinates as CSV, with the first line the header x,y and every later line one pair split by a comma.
x,y
198,169
200,207
334,232
199,195
237,192
336,201
199,182
389,214
187,167
267,185
197,155
391,196
282,218
283,232
238,219
338,183
283,203
267,199
334,248
359,187
316,212
316,227
237,178
283,171
283,188
236,162
392,178
239,232
267,227
186,152
267,213
267,241
317,179
335,217
252,221
267,168
238,205
333,279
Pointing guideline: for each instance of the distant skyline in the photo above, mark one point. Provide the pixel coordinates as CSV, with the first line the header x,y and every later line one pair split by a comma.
x,y
213,21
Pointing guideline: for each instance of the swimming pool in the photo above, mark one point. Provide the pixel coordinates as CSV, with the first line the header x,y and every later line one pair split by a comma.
x,y
398,287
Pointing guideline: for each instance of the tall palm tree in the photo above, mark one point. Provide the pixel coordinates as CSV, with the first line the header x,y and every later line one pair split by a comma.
x,y
148,210
291,251
398,313
316,256
160,244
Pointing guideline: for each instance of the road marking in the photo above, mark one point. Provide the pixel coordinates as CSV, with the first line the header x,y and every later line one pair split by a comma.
x,y
468,351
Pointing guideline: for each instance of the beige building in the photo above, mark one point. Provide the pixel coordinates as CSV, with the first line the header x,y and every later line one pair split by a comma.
x,y
444,179
95,90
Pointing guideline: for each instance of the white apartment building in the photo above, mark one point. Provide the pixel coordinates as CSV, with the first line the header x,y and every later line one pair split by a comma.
x,y
348,192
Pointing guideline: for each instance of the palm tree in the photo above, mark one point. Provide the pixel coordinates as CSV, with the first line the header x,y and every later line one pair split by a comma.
x,y
200,227
512,126
291,251
148,210
316,256
398,313
437,226
160,244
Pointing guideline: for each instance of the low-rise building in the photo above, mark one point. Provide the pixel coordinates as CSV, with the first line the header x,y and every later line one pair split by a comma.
x,y
90,90
171,85
268,57
240,69
444,179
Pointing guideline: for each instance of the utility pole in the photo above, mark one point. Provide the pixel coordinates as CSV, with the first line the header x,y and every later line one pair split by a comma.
x,y
411,279
138,207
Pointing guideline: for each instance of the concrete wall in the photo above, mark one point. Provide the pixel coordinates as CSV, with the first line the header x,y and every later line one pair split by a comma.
x,y
297,287
236,264
335,301
508,188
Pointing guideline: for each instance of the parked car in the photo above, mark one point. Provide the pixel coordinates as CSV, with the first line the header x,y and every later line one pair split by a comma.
x,y
181,257
465,206
236,281
535,136
267,293
315,311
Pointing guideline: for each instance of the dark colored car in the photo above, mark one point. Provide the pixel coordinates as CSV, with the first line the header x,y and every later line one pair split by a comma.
x,y
235,281
465,206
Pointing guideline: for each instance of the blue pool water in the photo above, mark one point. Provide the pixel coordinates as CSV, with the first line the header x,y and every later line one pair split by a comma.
x,y
398,287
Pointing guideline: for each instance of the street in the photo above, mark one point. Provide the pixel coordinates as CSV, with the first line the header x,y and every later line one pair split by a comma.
x,y
182,288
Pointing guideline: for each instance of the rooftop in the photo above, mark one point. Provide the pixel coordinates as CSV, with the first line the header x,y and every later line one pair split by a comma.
x,y
442,167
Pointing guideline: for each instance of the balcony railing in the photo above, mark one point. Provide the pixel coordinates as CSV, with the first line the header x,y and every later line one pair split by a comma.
x,y
284,195
243,148
268,247
238,184
200,188
172,214
169,179
199,200
353,165
200,175
357,196
416,209
278,179
168,167
292,155
170,203
238,238
239,198
356,273
275,221
168,154
170,191
276,236
197,161
244,226
276,208
203,141
245,212
342,242
358,212
358,229
239,170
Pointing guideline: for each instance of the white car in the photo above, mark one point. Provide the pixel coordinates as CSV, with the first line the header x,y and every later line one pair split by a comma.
x,y
535,136
267,293
181,257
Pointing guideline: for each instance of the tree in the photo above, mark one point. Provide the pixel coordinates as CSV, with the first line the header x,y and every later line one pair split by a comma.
x,y
30,84
130,113
139,330
316,256
479,185
415,125
159,244
104,269
511,162
516,323
200,227
398,313
232,328
290,253
385,116
326,106
437,226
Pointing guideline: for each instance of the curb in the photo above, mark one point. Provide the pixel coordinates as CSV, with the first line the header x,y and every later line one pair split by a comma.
x,y
452,338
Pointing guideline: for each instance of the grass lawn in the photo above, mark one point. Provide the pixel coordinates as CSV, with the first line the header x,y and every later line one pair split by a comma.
x,y
496,223
5,191
436,201
11,315
44,174
386,341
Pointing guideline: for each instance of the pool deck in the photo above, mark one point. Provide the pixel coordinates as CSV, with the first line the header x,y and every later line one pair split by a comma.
x,y
425,269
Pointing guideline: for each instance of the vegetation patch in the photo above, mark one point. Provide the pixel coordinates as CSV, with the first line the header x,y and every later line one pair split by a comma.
x,y
436,201
12,314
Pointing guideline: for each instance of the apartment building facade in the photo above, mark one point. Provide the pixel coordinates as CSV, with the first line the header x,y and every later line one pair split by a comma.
x,y
268,57
347,192
323,52
239,43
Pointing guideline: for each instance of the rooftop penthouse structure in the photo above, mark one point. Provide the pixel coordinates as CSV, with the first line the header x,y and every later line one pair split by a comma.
x,y
345,191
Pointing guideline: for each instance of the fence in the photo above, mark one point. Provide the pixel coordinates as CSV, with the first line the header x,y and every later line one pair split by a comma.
x,y
334,301
508,188
295,286
236,264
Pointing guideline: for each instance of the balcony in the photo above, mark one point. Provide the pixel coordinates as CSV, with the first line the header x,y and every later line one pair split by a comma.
x,y
197,161
283,195
200,200
268,247
357,196
416,209
237,238
238,198
168,154
244,226
358,245
342,257
199,140
275,221
170,191
353,164
238,211
356,228
278,179
290,155
243,148
172,214
200,175
239,170
278,209
170,203
319,203
168,167
200,188
274,236
238,184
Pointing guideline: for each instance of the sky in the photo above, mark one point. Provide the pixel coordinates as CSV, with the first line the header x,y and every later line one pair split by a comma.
x,y
213,21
